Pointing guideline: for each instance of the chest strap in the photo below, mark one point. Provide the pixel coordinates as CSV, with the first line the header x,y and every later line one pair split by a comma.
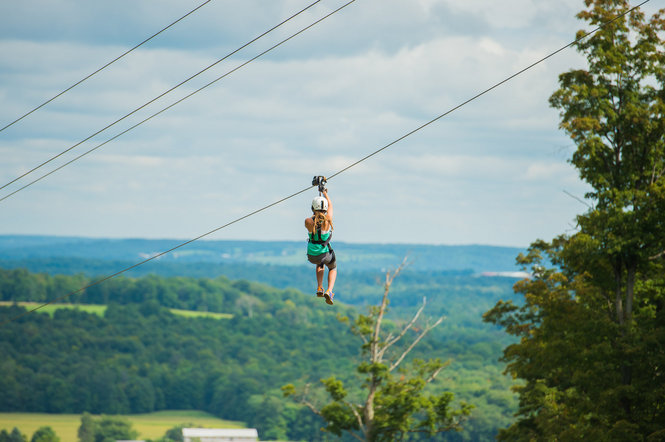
x,y
316,239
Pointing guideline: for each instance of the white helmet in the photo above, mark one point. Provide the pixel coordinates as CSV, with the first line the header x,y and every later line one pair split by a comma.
x,y
320,203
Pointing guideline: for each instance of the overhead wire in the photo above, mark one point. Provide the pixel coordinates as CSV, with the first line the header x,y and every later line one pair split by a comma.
x,y
585,35
158,255
105,66
145,105
494,86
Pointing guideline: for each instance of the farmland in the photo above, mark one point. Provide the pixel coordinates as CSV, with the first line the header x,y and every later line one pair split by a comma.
x,y
149,425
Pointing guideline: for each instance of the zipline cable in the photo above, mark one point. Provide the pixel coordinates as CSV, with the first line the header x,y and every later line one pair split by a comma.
x,y
143,106
106,278
106,65
177,102
433,120
331,176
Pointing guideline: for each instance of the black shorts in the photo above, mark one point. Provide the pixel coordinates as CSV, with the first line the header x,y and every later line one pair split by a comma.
x,y
327,258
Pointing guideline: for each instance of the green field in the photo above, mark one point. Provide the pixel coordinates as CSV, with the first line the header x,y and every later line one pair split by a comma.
x,y
100,309
50,308
149,426
195,314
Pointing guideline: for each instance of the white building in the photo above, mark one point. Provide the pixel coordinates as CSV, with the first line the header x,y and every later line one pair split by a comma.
x,y
220,435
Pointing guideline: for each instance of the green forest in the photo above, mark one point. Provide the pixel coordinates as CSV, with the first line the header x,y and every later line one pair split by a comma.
x,y
138,356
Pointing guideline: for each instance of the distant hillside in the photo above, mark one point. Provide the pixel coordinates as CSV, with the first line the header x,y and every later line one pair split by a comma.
x,y
125,351
458,282
471,258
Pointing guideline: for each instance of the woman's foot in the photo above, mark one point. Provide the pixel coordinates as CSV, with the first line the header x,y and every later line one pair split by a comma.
x,y
329,297
319,292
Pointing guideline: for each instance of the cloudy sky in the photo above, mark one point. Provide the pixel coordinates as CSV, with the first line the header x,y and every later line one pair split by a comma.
x,y
493,172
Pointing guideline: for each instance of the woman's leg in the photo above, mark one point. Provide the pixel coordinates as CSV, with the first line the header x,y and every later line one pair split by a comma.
x,y
332,275
319,275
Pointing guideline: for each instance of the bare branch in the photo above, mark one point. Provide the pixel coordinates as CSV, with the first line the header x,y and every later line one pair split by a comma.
x,y
435,374
303,400
309,405
415,342
656,256
390,279
356,436
392,341
655,176
359,419
375,353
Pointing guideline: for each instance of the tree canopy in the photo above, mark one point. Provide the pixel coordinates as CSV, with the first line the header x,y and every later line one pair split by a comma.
x,y
591,328
133,354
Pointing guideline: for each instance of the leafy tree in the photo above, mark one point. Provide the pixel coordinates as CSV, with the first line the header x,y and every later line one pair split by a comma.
x,y
175,434
14,436
589,328
390,406
105,429
111,429
270,418
45,434
86,431
614,111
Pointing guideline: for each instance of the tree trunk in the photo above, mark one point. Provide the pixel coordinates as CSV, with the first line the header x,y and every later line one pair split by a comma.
x,y
626,365
369,415
618,294
630,290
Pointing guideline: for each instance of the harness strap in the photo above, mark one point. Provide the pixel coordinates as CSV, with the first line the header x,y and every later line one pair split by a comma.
x,y
318,240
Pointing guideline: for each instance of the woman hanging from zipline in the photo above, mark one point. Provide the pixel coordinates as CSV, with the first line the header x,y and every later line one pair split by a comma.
x,y
319,228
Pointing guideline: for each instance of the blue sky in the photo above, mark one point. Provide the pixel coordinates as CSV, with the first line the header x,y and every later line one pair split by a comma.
x,y
493,172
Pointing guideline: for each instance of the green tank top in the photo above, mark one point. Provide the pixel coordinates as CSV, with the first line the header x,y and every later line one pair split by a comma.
x,y
317,249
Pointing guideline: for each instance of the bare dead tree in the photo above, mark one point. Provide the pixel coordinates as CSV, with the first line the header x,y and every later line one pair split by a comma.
x,y
360,418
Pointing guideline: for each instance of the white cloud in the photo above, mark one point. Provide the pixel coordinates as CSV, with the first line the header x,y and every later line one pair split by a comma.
x,y
350,86
546,171
514,14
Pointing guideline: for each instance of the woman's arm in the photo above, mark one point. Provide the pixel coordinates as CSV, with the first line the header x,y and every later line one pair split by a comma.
x,y
329,214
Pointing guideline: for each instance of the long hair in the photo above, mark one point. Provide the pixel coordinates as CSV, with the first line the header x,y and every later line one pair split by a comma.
x,y
319,220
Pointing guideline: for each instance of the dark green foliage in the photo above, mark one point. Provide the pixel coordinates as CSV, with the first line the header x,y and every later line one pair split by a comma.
x,y
175,434
139,357
573,352
591,329
14,436
45,434
105,429
86,431
111,429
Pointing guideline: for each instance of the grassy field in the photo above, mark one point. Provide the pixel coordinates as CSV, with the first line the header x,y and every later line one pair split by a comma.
x,y
100,309
49,309
149,426
195,314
